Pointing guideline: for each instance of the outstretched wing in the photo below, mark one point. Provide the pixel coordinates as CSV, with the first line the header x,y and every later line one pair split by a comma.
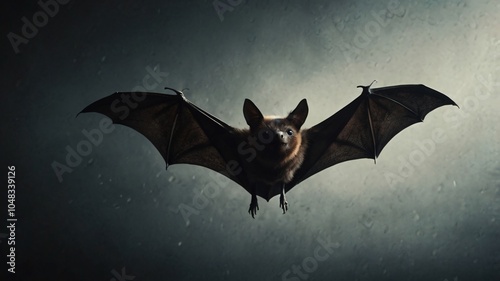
x,y
182,132
363,128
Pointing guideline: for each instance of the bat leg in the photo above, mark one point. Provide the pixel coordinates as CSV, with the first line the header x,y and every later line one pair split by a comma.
x,y
254,206
283,202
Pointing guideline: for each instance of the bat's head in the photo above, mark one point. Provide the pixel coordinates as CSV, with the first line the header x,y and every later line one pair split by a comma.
x,y
276,134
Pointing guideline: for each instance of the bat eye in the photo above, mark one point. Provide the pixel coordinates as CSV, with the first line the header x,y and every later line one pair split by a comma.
x,y
289,132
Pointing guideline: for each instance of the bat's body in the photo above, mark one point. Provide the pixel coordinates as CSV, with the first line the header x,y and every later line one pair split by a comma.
x,y
277,151
274,154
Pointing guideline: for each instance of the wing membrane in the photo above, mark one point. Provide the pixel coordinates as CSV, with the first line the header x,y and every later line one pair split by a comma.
x,y
365,126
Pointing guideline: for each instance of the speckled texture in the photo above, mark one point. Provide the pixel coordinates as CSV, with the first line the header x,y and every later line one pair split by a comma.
x,y
428,210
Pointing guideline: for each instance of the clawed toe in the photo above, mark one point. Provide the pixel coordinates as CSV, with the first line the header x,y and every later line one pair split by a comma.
x,y
284,205
253,210
283,202
254,206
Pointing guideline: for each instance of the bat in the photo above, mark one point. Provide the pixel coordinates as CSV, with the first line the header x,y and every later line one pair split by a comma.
x,y
274,154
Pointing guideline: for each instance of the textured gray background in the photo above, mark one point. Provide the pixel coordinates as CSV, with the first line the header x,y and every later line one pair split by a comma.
x,y
120,210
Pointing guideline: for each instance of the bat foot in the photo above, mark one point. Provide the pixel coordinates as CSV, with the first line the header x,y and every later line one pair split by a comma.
x,y
254,206
283,203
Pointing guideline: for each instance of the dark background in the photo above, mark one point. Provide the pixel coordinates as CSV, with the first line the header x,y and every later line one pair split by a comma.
x,y
428,210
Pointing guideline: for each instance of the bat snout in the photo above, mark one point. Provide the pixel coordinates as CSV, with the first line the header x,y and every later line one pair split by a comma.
x,y
281,138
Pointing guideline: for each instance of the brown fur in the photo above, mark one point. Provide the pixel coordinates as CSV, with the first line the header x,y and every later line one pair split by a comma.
x,y
274,168
276,161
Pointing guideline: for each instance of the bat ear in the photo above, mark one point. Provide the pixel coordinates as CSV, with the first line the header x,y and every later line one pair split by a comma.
x,y
252,114
299,114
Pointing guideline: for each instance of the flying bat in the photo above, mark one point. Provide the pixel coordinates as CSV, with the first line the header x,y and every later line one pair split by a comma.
x,y
274,154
